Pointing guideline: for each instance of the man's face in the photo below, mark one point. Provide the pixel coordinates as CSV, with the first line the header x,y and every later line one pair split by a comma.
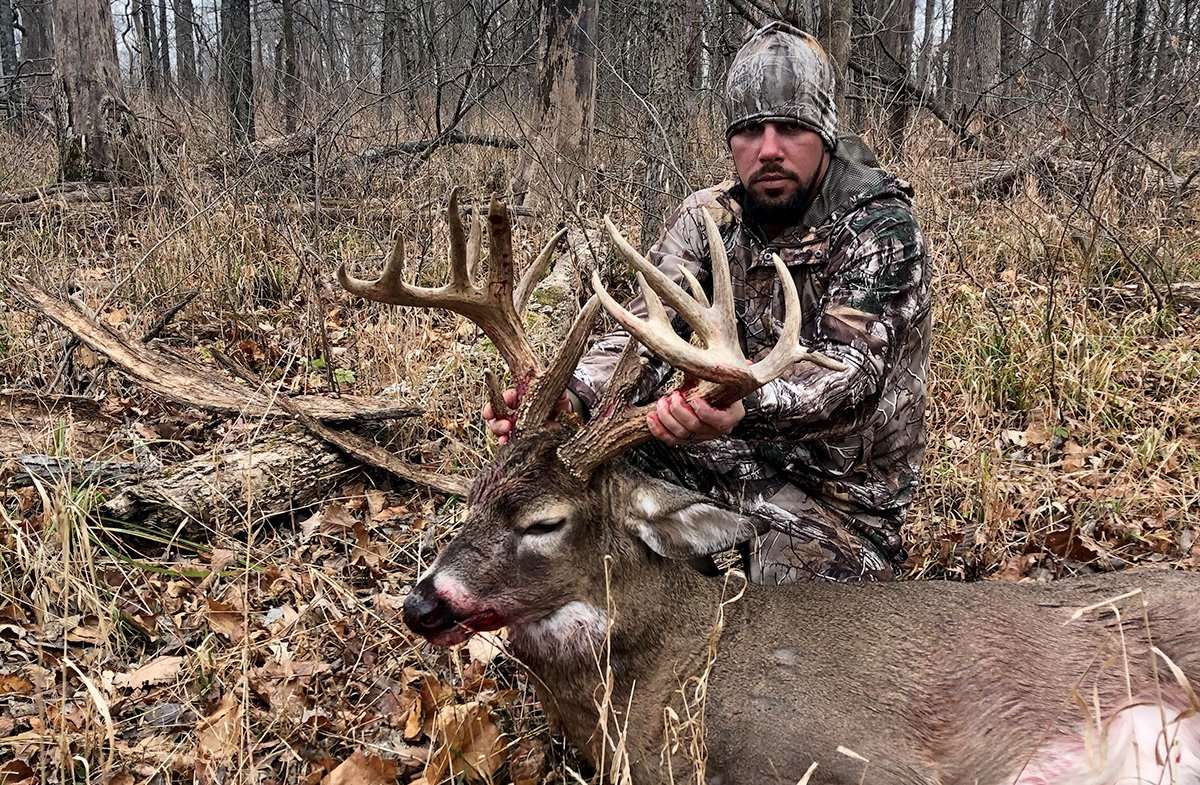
x,y
777,162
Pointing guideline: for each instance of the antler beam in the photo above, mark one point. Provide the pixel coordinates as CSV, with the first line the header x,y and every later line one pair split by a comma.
x,y
717,372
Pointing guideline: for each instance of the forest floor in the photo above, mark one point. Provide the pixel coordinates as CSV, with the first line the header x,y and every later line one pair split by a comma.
x,y
1063,437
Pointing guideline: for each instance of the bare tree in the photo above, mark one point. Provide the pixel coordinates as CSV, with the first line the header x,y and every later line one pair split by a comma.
x,y
37,40
552,167
288,75
237,68
97,137
164,44
185,46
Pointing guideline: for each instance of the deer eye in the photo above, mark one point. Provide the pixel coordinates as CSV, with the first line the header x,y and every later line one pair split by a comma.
x,y
546,526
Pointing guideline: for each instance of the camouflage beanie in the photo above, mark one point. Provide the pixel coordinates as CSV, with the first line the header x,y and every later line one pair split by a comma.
x,y
781,73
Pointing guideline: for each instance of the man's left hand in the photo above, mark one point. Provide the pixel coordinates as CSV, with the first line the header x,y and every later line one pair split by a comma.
x,y
676,420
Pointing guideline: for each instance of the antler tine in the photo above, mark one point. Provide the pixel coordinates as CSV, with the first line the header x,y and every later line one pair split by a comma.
x,y
531,277
544,394
718,373
721,280
490,307
500,263
474,242
459,268
670,291
389,287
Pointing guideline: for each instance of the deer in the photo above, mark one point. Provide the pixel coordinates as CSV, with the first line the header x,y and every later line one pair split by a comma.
x,y
656,672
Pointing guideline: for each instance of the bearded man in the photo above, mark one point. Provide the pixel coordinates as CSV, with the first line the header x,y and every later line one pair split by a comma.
x,y
830,459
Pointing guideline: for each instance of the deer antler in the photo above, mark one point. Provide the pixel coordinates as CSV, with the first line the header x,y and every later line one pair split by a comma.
x,y
717,373
493,306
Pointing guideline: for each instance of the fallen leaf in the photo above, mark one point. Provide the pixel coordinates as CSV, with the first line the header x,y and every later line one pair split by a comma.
x,y
156,671
220,559
12,684
528,764
226,620
218,734
466,742
1016,569
334,519
362,769
485,646
376,501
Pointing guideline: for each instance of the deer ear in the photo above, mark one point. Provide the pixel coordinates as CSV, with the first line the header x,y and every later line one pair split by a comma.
x,y
678,523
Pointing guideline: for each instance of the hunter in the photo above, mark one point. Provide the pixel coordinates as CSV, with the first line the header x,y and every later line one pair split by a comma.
x,y
830,458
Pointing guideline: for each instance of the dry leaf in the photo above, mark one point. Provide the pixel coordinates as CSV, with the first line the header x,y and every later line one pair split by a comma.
x,y
1016,568
362,769
334,519
12,684
218,734
226,620
376,501
156,671
528,764
485,646
220,559
466,742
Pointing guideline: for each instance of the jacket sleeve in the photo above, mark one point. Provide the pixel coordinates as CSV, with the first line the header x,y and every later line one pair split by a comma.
x,y
878,292
680,246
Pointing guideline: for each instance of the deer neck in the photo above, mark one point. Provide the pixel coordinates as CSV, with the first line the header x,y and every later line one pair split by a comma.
x,y
654,625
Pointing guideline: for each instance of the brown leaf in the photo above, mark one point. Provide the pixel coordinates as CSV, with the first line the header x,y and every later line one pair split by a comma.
x,y
156,671
16,772
12,684
362,769
332,520
1016,568
226,620
376,501
220,559
528,764
218,734
466,742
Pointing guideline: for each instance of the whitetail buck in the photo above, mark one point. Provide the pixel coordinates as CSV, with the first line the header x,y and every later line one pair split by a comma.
x,y
647,664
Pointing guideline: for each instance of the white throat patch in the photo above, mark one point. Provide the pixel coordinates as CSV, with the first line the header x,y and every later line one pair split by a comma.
x,y
575,630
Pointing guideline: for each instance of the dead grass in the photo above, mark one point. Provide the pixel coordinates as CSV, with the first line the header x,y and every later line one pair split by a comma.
x,y
1060,432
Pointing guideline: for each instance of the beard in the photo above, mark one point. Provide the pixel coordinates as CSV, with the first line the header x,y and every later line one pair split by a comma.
x,y
780,211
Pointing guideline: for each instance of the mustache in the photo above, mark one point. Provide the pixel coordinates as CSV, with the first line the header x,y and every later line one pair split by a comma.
x,y
773,169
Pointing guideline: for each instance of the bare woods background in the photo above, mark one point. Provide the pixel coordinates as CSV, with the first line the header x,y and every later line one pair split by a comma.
x,y
218,473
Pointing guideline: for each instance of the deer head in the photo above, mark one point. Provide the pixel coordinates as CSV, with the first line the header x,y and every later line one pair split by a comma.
x,y
555,502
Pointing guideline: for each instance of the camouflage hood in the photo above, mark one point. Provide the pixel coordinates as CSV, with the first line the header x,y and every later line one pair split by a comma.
x,y
781,73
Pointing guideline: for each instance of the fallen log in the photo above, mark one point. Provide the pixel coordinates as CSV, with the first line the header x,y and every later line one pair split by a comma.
x,y
281,470
1184,295
28,420
186,382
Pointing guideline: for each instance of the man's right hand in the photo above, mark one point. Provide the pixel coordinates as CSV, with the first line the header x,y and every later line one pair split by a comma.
x,y
501,427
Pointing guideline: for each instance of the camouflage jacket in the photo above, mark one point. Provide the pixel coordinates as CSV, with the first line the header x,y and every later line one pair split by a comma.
x,y
853,439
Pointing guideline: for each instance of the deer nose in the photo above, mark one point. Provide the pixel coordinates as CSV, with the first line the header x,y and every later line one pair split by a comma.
x,y
426,613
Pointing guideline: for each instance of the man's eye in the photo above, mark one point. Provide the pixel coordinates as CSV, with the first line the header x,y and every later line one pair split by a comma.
x,y
545,527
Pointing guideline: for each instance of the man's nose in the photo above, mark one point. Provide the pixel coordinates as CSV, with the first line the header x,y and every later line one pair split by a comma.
x,y
770,149
425,612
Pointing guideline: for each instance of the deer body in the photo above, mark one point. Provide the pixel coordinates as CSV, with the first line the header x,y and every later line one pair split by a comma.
x,y
585,561
931,682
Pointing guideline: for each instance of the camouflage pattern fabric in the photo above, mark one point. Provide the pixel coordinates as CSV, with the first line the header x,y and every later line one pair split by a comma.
x,y
781,73
833,456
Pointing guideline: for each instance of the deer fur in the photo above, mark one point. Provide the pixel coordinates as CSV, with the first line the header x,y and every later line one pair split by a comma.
x,y
929,682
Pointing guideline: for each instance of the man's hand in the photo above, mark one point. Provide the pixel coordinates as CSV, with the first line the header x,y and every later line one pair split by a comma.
x,y
501,427
676,420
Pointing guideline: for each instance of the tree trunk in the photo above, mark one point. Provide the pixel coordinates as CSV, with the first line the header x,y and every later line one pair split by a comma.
x,y
37,41
164,45
926,45
836,21
552,169
8,60
147,49
391,52
97,139
893,48
236,54
185,46
291,77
